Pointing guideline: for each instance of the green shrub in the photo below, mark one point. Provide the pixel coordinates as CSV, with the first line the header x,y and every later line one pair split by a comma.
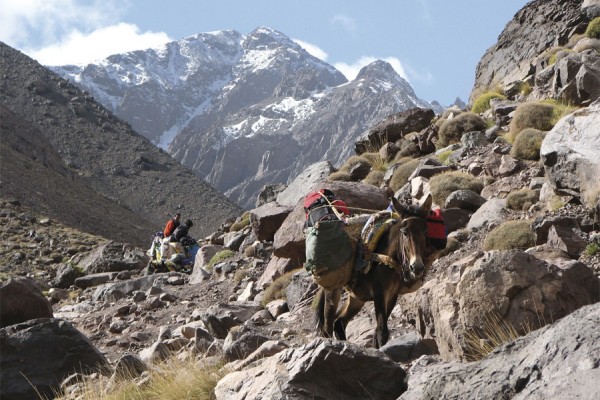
x,y
452,130
510,235
559,109
374,178
403,171
408,148
538,116
217,258
449,112
592,249
243,222
441,185
443,156
555,52
276,290
527,144
522,199
339,176
482,103
593,29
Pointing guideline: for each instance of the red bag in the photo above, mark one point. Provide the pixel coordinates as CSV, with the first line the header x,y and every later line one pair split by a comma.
x,y
436,229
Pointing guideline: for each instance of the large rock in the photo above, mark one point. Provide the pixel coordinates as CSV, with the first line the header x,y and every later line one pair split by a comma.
x,y
111,257
311,176
513,285
265,220
560,361
125,288
540,24
289,239
22,300
322,369
37,355
220,318
490,214
571,154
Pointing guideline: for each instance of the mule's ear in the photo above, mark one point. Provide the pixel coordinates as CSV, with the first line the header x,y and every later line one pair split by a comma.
x,y
425,206
399,208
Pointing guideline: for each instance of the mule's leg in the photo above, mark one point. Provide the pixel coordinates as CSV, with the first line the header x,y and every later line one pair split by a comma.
x,y
330,302
381,331
351,308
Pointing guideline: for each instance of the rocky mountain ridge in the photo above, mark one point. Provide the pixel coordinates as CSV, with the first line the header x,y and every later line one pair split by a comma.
x,y
216,96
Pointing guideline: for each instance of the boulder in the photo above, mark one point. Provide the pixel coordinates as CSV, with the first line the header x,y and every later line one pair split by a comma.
x,y
220,318
311,176
570,153
65,276
267,219
559,361
111,257
39,354
512,285
269,193
91,280
108,291
566,240
241,347
492,213
465,199
322,369
20,301
408,347
275,268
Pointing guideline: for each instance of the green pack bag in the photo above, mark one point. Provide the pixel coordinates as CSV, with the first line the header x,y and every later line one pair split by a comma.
x,y
328,247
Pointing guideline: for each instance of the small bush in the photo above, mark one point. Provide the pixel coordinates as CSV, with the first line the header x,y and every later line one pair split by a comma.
x,y
240,275
217,258
243,222
375,160
482,103
339,176
510,235
403,171
408,148
587,44
593,29
592,249
527,144
531,115
442,185
276,290
525,88
522,199
374,178
559,109
562,51
452,130
555,203
443,156
352,161
451,112
494,332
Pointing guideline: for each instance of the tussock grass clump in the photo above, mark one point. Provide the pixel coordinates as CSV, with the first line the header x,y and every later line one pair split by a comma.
x,y
522,199
243,222
352,161
510,235
375,160
559,109
482,102
451,112
339,176
495,331
527,144
592,249
538,116
444,156
587,44
276,290
442,185
403,171
593,29
374,178
219,257
452,130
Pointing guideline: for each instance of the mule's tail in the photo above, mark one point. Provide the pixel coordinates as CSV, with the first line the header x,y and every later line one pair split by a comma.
x,y
320,310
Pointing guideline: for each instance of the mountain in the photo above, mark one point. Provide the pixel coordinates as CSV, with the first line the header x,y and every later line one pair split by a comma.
x,y
242,111
67,156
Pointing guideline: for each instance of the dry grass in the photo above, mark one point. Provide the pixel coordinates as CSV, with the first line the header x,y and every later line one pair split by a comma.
x,y
376,161
276,290
510,235
374,178
538,116
452,130
240,224
495,331
482,102
527,144
593,29
339,176
402,172
219,257
521,199
171,380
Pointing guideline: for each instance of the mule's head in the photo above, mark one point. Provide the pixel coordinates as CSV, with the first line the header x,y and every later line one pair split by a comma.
x,y
412,234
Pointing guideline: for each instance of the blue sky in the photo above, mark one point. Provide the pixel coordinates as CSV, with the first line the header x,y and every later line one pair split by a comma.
x,y
434,44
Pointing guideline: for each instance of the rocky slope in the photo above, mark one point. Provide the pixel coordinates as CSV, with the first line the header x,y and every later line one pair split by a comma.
x,y
217,96
510,307
86,144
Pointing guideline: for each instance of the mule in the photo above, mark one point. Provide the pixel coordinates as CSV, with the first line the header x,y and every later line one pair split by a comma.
x,y
399,263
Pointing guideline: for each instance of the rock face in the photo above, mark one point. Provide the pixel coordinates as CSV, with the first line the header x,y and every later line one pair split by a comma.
x,y
513,285
42,353
97,152
541,24
21,300
244,111
570,153
323,369
556,362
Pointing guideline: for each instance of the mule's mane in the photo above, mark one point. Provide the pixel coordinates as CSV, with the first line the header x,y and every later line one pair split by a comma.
x,y
396,244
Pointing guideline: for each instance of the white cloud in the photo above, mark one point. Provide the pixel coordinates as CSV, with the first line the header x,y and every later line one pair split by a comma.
x,y
345,22
312,49
351,70
60,32
79,48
